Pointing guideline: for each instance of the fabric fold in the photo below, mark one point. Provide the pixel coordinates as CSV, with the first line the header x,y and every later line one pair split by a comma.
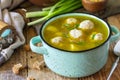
x,y
17,22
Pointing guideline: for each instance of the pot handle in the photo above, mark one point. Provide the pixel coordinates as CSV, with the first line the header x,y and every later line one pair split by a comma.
x,y
36,49
116,35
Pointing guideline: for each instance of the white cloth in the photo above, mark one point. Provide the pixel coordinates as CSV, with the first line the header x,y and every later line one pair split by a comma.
x,y
10,4
14,19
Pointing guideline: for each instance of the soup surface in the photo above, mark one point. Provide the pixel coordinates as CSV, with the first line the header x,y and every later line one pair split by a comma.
x,y
73,33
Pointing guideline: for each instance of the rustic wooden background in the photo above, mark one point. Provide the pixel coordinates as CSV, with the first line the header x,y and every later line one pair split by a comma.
x,y
27,58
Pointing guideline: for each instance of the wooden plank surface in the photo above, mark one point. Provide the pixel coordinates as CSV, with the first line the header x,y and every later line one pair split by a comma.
x,y
28,58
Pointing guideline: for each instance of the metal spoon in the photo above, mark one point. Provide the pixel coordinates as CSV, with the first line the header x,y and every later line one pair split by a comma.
x,y
117,52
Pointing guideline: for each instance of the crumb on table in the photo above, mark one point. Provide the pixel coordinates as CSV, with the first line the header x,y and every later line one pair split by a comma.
x,y
38,65
16,68
27,47
30,78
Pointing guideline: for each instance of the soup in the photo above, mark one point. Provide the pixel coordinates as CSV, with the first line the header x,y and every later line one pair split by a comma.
x,y
75,33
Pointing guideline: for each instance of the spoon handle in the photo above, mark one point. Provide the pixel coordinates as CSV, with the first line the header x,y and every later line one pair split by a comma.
x,y
113,68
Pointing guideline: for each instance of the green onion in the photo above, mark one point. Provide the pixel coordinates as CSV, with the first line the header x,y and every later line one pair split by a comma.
x,y
36,14
93,36
66,35
62,6
66,25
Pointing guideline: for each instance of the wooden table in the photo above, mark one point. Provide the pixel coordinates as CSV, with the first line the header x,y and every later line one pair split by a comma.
x,y
21,55
27,58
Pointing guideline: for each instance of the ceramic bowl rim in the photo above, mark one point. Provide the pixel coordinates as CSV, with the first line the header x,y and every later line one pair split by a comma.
x,y
109,35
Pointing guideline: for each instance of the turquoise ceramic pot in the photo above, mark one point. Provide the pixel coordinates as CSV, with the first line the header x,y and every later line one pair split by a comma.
x,y
74,64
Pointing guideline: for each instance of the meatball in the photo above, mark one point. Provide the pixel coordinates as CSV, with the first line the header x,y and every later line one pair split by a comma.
x,y
75,33
98,36
56,40
71,21
86,25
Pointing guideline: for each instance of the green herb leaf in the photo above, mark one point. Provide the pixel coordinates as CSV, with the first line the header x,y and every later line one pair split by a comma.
x,y
66,25
81,43
66,35
76,25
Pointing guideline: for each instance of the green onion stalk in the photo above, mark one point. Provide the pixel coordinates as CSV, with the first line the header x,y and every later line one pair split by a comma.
x,y
62,6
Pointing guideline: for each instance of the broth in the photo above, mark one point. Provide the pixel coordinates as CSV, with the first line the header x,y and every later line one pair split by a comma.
x,y
69,36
